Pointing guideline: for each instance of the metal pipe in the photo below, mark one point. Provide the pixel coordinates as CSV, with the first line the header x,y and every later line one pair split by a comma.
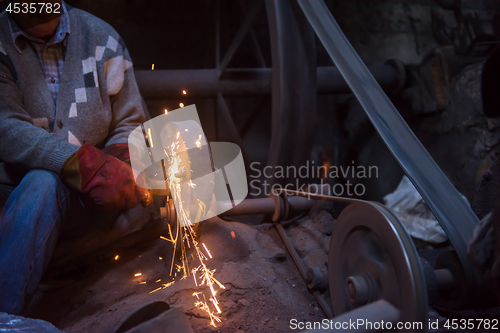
x,y
265,206
251,207
165,84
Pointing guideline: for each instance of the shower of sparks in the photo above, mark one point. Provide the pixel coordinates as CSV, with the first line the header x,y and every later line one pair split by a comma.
x,y
202,275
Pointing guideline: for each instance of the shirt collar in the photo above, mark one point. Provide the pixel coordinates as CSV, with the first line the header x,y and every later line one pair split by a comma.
x,y
62,31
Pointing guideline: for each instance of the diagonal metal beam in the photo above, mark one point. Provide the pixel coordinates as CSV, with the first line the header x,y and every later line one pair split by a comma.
x,y
242,31
230,125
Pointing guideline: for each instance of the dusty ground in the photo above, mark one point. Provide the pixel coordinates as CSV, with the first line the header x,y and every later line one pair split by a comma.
x,y
263,288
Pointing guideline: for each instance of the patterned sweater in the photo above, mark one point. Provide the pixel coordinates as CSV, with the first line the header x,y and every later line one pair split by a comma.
x,y
98,100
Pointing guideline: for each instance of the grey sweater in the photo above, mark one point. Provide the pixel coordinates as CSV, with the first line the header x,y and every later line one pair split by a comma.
x,y
98,100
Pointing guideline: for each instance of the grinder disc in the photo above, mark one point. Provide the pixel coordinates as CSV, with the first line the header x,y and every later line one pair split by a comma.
x,y
372,257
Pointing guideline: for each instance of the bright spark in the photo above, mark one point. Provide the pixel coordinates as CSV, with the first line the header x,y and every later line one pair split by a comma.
x,y
138,274
184,92
181,105
233,234
166,111
208,252
155,290
117,257
153,67
202,275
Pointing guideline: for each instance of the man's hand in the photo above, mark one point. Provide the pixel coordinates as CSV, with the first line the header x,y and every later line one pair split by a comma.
x,y
107,180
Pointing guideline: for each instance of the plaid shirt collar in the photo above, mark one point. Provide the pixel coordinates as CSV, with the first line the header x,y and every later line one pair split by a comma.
x,y
62,31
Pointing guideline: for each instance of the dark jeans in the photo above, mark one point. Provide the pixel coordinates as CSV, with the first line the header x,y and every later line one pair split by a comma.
x,y
34,215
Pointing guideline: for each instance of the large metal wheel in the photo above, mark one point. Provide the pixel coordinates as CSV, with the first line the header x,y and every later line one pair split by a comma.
x,y
371,257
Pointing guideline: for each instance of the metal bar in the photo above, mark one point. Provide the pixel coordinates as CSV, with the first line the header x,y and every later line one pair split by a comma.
x,y
264,206
302,269
258,52
167,84
448,205
231,126
381,311
250,207
242,31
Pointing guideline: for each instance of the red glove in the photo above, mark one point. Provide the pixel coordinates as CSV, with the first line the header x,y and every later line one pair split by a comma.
x,y
118,150
107,180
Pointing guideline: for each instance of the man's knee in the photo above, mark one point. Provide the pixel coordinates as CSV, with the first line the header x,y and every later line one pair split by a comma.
x,y
43,181
43,177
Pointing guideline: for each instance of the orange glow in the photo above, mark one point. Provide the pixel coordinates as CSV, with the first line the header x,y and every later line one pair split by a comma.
x,y
153,67
181,105
233,234
117,257
184,92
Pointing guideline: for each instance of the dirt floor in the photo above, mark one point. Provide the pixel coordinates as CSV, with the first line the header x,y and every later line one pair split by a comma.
x,y
263,289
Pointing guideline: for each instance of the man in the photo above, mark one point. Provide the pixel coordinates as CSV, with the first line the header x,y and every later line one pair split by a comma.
x,y
67,90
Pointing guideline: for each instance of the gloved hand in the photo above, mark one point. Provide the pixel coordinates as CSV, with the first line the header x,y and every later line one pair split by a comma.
x,y
118,150
107,180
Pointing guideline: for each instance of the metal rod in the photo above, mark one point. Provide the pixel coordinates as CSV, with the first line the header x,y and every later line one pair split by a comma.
x,y
217,33
167,84
258,51
266,205
231,126
251,207
242,31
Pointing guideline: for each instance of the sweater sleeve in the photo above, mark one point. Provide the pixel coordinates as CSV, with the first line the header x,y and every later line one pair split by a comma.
x,y
22,143
126,101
